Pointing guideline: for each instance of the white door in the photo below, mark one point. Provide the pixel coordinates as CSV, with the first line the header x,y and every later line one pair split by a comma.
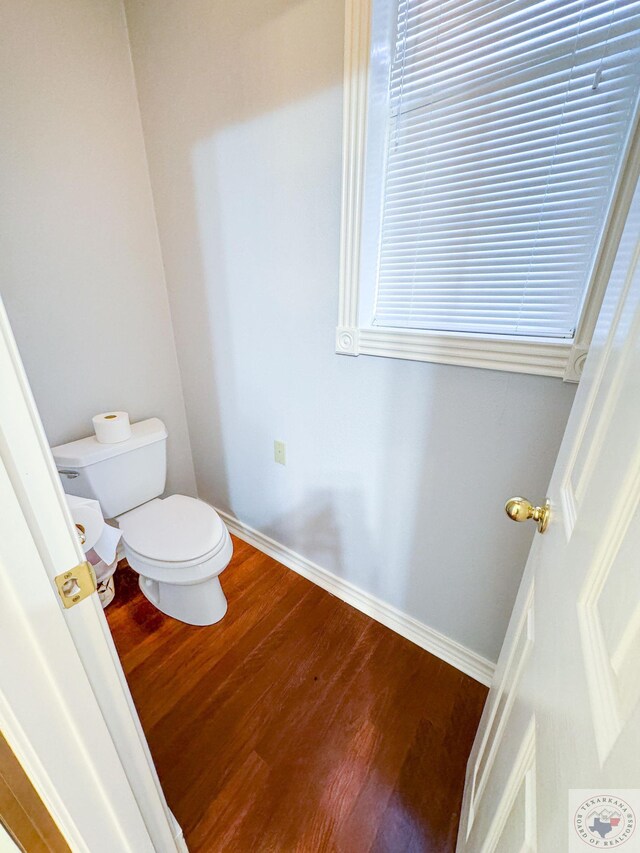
x,y
65,708
562,720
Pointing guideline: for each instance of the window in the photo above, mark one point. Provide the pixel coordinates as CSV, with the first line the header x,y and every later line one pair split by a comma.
x,y
490,155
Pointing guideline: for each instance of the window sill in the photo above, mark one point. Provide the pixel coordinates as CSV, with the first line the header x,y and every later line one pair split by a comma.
x,y
560,359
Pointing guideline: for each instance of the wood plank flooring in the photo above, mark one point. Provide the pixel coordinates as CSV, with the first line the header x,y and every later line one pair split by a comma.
x,y
22,813
296,723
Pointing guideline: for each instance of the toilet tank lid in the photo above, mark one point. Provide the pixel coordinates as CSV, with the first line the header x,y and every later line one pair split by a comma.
x,y
87,451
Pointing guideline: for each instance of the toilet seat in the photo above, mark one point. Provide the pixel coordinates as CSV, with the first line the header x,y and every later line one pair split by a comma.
x,y
177,574
177,540
170,564
173,530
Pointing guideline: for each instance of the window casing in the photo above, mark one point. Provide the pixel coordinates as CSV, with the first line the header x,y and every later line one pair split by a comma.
x,y
378,280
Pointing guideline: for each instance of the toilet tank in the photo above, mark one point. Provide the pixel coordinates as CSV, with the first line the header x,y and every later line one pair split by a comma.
x,y
120,476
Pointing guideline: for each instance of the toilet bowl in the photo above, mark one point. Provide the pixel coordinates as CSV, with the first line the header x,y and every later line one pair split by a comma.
x,y
177,544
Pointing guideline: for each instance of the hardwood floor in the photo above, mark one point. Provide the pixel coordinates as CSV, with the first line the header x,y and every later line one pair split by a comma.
x,y
22,813
297,723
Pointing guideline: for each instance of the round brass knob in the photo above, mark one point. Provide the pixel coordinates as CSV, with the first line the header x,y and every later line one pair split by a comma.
x,y
521,509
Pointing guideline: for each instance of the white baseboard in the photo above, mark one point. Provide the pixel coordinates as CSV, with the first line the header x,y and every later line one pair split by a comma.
x,y
427,638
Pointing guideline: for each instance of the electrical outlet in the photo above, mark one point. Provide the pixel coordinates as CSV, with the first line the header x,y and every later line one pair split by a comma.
x,y
279,452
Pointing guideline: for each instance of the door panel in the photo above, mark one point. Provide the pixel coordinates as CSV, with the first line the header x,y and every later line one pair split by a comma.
x,y
501,702
513,825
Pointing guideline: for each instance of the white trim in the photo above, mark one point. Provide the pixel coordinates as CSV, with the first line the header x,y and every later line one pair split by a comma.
x,y
510,354
355,336
347,342
616,219
356,72
448,650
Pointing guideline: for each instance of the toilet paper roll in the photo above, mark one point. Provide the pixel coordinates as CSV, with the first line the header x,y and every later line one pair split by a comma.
x,y
112,427
106,546
88,519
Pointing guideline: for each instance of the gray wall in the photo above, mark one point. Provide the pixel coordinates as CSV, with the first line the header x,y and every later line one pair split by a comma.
x,y
396,471
80,266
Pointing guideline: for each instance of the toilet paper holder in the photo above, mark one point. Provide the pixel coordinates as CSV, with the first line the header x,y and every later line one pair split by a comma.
x,y
81,533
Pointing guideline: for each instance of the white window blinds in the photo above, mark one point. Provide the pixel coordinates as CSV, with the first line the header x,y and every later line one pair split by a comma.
x,y
507,126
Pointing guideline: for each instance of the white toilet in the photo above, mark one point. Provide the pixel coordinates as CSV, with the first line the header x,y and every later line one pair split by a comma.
x,y
178,545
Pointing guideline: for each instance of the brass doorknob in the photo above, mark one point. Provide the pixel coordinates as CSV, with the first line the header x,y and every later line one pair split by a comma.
x,y
520,509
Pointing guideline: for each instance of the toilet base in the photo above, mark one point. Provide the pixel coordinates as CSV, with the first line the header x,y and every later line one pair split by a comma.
x,y
196,604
